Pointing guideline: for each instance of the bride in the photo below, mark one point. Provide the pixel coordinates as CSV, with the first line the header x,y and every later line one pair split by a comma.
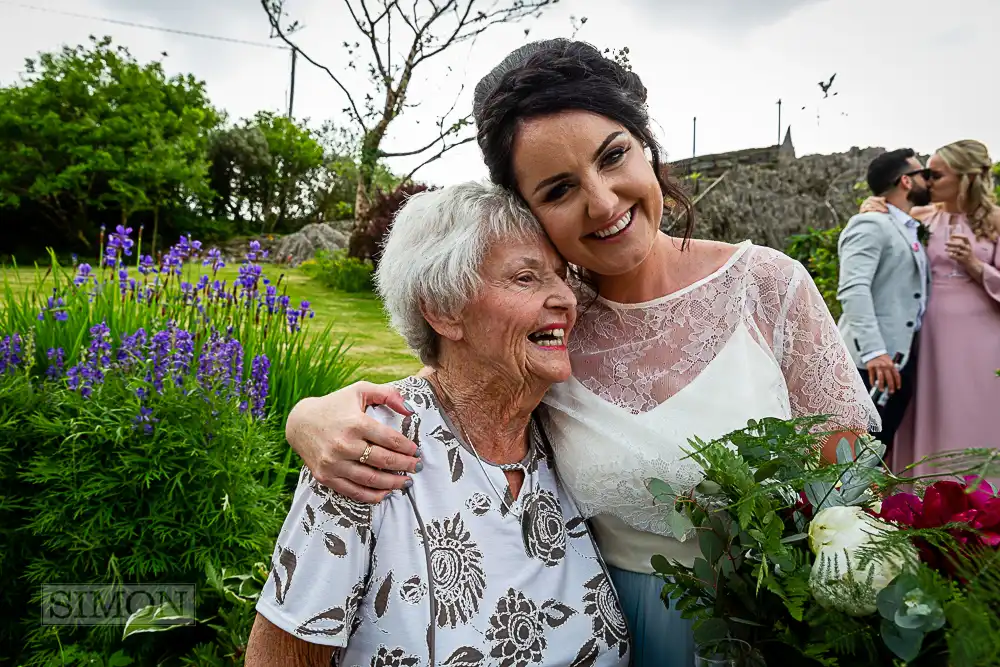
x,y
676,337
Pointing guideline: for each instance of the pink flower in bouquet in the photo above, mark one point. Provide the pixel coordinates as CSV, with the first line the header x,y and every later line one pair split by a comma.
x,y
949,502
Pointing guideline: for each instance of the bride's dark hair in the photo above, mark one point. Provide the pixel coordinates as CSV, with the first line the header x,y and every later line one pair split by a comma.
x,y
557,75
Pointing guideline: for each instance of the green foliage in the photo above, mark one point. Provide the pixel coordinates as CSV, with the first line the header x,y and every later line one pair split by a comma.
x,y
105,503
91,134
817,250
752,515
264,172
341,272
108,477
305,362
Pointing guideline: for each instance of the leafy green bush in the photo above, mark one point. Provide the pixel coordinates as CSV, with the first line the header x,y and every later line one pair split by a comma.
x,y
141,441
817,250
339,271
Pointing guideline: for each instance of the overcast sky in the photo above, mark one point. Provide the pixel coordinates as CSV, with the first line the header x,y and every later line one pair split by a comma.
x,y
915,73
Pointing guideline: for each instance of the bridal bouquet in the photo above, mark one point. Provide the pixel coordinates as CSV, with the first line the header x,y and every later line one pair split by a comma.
x,y
838,565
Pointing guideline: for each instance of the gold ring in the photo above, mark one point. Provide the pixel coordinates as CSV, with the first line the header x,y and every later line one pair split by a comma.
x,y
366,454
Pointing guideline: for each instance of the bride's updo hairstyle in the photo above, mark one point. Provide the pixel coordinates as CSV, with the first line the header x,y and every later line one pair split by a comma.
x,y
556,75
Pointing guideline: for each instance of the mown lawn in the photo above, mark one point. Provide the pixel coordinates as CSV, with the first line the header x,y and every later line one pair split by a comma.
x,y
382,353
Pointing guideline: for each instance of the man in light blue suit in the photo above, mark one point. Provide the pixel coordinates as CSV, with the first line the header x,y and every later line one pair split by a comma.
x,y
883,284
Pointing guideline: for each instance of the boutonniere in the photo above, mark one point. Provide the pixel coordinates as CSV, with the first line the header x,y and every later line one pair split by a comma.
x,y
923,235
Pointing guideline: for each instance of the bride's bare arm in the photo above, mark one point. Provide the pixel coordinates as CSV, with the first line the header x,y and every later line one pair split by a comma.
x,y
331,432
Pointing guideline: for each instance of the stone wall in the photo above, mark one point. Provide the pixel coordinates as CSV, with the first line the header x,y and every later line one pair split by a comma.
x,y
714,165
768,202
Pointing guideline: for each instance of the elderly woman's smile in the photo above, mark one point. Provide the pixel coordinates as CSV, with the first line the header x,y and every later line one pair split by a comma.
x,y
520,321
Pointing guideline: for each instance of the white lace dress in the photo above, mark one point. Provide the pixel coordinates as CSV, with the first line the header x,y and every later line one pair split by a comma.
x,y
754,339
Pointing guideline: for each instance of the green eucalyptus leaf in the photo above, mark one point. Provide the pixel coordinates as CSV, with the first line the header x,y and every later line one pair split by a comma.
x,y
845,453
661,491
712,546
680,524
902,642
660,564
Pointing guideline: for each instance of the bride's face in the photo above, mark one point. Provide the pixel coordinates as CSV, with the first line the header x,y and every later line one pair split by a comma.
x,y
589,183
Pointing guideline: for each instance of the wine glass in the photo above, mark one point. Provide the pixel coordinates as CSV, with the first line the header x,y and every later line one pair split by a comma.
x,y
955,269
724,653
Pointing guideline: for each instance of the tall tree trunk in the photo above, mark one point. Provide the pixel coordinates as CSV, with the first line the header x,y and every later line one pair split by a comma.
x,y
366,177
156,231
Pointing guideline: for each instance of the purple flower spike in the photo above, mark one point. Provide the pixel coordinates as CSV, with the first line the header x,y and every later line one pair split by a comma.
x,y
257,387
11,352
56,357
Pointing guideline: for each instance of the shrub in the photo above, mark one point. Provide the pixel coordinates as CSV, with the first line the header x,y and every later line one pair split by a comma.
x,y
368,245
341,272
141,442
142,463
817,250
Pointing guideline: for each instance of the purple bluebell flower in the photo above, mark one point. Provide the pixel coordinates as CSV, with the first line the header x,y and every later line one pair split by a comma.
x,y
253,251
132,350
119,243
257,387
146,265
145,419
82,274
215,259
94,363
11,353
56,358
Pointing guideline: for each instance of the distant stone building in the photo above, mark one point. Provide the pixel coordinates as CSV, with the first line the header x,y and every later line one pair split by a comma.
x,y
713,166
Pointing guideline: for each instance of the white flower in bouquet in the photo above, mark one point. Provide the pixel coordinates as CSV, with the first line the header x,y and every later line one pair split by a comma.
x,y
838,580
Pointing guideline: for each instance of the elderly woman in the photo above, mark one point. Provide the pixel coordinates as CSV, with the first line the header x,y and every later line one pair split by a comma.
x,y
483,557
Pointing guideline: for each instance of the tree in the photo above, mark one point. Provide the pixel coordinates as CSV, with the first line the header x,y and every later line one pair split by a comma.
x,y
264,172
91,136
399,38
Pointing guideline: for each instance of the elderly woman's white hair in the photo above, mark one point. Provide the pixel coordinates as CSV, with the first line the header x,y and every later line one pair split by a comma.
x,y
435,250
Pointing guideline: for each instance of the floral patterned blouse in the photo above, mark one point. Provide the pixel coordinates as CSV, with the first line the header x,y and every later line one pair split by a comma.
x,y
448,567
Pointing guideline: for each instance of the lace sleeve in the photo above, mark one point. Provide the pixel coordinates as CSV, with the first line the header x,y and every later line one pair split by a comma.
x,y
819,373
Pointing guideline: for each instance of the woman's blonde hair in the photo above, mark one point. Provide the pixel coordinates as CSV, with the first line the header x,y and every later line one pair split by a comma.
x,y
970,160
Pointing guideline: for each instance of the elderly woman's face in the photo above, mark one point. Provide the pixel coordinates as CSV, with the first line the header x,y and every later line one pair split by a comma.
x,y
589,183
522,317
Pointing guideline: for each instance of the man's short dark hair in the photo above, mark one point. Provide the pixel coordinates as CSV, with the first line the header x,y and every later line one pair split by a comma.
x,y
885,170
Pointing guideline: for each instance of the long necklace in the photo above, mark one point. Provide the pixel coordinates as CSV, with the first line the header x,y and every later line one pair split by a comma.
x,y
503,466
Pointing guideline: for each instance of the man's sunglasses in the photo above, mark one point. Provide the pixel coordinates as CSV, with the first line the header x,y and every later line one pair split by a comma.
x,y
926,173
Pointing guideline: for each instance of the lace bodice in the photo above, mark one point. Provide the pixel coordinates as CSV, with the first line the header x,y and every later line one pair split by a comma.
x,y
753,339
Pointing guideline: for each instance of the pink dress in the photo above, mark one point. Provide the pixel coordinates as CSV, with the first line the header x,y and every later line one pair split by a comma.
x,y
958,391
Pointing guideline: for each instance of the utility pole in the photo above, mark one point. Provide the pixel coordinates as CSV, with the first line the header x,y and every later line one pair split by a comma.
x,y
779,121
291,85
694,137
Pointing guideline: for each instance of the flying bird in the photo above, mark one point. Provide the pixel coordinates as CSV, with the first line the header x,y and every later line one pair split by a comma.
x,y
825,87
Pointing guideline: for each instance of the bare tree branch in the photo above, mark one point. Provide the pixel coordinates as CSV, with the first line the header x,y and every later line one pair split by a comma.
x,y
442,133
437,156
485,20
276,26
369,32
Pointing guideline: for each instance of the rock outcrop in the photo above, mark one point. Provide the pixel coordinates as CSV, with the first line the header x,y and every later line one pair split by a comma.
x,y
302,245
768,201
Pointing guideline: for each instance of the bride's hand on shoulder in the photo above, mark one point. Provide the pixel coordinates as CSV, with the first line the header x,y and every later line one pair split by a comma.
x,y
874,205
332,432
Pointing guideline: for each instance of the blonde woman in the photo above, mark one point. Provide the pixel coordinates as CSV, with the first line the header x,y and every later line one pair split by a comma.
x,y
957,391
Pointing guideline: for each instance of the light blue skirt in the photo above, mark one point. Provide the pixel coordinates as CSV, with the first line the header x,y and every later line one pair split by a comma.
x,y
660,637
